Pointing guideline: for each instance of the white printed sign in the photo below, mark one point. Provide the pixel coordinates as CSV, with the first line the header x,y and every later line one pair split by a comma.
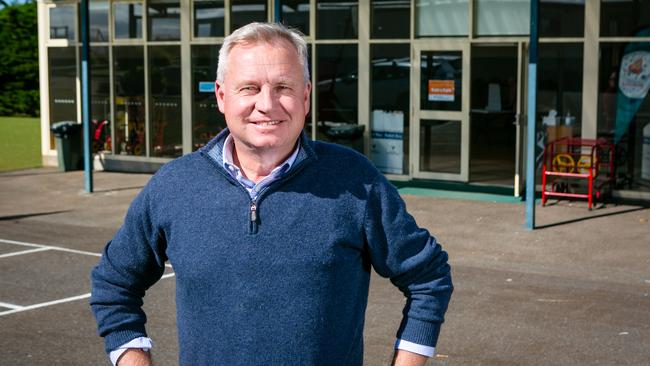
x,y
387,148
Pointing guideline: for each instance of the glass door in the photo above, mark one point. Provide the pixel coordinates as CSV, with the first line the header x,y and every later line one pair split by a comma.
x,y
493,114
440,139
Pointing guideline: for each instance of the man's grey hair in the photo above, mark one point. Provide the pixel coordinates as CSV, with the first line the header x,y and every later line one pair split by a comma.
x,y
263,33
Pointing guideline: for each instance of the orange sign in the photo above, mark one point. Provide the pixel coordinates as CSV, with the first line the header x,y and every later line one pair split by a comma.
x,y
441,90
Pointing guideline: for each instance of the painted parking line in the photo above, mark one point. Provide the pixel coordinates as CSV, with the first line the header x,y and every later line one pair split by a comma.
x,y
23,252
10,306
42,247
18,308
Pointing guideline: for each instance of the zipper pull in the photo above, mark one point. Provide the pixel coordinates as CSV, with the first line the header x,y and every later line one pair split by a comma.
x,y
253,211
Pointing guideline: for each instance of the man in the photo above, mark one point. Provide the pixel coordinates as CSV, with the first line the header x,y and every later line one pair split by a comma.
x,y
271,235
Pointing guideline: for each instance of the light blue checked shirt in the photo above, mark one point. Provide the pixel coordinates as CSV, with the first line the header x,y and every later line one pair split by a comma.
x,y
252,188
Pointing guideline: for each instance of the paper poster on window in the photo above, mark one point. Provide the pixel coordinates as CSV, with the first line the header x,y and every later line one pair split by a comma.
x,y
387,148
441,90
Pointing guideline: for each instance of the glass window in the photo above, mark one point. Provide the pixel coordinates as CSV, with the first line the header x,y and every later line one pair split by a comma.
x,y
62,22
128,20
561,18
336,19
441,80
98,19
165,101
389,85
390,18
100,108
295,13
493,110
247,11
623,18
207,121
502,17
559,91
62,64
208,18
336,88
441,18
128,78
163,20
440,146
624,109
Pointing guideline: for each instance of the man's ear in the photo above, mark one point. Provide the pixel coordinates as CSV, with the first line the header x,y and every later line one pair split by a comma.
x,y
307,97
220,94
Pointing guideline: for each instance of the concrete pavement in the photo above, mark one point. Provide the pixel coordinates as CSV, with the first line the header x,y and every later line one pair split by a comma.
x,y
574,292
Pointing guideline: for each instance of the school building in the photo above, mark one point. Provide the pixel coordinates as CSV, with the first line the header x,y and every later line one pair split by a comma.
x,y
430,90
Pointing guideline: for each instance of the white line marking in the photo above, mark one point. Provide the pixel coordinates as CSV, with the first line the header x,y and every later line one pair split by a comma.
x,y
52,247
44,304
23,252
18,309
10,306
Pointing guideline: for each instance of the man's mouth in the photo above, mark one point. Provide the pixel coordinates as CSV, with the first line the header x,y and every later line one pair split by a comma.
x,y
267,123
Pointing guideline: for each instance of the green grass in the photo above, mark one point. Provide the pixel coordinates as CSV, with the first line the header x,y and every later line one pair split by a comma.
x,y
20,143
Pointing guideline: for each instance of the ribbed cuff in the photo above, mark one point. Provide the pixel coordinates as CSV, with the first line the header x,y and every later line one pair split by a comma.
x,y
115,339
418,331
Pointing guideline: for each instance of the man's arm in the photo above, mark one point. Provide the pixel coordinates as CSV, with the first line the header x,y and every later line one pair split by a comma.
x,y
131,262
406,358
412,259
135,357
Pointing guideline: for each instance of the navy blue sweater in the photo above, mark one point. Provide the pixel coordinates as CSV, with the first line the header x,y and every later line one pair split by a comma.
x,y
286,287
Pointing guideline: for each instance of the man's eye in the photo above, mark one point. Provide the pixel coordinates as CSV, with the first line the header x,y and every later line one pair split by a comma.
x,y
248,89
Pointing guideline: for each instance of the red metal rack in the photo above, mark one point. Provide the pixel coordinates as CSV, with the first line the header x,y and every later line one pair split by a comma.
x,y
571,163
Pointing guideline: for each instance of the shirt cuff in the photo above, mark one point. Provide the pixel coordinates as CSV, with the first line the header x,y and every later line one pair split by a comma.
x,y
142,343
415,348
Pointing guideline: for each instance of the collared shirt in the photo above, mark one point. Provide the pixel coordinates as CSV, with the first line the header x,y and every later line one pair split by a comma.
x,y
252,188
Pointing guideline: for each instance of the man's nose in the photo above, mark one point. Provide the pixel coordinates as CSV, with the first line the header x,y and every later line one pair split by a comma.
x,y
265,99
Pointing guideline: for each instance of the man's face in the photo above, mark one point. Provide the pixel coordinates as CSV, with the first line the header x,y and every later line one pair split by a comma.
x,y
264,96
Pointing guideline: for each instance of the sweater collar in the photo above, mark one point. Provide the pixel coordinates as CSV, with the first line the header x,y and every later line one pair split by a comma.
x,y
214,149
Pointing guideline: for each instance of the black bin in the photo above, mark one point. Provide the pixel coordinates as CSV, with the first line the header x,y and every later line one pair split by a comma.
x,y
69,145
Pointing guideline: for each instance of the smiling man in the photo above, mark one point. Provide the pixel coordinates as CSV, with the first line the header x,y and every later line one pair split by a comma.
x,y
272,236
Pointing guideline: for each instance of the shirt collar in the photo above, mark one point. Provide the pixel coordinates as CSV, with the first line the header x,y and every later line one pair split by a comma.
x,y
234,170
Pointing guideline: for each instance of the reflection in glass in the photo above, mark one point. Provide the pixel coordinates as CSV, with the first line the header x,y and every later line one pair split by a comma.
x,y
441,75
165,101
337,19
389,85
100,109
441,18
492,114
98,19
559,86
502,17
163,22
336,88
624,106
247,11
63,85
295,13
128,76
623,18
440,146
207,121
128,20
561,18
208,18
390,18
62,22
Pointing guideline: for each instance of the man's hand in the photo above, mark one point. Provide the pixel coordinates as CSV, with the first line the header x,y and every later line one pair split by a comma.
x,y
135,357
406,358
